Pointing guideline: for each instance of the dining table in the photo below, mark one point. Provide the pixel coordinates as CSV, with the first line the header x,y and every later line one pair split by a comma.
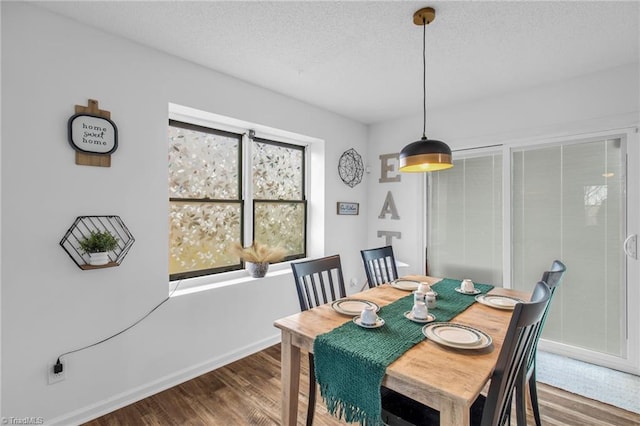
x,y
444,378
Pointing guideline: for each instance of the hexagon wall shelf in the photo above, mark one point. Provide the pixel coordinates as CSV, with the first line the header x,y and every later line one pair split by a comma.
x,y
83,226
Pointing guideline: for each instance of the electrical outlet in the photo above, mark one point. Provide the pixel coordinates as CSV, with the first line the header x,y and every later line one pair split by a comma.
x,y
57,377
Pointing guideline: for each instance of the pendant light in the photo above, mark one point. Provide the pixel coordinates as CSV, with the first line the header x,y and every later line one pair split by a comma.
x,y
425,155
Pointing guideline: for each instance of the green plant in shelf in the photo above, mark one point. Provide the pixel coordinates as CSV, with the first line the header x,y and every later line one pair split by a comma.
x,y
99,242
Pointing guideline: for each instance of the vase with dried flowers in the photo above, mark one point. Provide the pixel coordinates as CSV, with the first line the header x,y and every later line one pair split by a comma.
x,y
258,257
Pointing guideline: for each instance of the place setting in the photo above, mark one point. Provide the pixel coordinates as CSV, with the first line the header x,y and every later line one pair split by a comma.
x,y
412,285
369,318
420,311
456,336
404,284
498,302
352,307
467,287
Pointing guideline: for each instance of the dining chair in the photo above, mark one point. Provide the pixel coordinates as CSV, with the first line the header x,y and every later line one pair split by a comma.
x,y
379,265
318,281
552,278
495,408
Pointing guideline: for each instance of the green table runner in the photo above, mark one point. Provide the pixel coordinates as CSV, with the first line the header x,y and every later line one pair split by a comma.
x,y
350,361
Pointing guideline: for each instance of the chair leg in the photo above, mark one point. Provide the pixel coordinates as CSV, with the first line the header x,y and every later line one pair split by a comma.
x,y
533,392
312,391
521,400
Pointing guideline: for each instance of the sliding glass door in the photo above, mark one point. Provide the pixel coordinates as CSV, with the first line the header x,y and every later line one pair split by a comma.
x,y
568,203
502,216
465,220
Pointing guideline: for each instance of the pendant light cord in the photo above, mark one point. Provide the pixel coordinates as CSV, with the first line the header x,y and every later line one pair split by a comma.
x,y
424,79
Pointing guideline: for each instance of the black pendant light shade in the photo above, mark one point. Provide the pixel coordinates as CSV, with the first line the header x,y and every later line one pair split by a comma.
x,y
425,155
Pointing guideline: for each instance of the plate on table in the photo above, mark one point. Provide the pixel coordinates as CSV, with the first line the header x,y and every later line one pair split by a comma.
x,y
406,285
352,307
379,323
456,335
498,302
475,291
409,315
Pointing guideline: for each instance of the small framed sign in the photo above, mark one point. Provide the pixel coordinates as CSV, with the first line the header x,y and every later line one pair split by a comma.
x,y
92,134
348,208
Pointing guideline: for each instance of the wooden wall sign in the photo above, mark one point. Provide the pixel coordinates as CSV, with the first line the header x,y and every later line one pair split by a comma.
x,y
93,135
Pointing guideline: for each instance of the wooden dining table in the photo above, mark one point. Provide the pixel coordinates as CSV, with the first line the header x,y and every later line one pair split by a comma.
x,y
446,379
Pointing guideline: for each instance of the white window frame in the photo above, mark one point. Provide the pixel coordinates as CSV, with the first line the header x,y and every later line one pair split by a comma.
x,y
314,190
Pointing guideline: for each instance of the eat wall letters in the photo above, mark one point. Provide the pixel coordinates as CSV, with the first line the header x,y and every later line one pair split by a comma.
x,y
389,174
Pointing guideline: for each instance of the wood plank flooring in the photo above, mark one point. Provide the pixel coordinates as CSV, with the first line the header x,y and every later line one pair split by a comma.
x,y
247,392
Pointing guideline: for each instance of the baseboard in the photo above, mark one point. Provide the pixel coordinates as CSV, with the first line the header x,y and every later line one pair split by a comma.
x,y
93,411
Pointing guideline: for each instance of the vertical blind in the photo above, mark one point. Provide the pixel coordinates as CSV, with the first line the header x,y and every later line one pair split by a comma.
x,y
568,204
465,220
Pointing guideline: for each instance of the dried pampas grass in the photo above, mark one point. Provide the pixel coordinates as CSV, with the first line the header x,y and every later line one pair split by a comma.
x,y
258,253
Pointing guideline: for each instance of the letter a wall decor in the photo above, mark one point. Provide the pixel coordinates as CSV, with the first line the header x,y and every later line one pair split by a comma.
x,y
93,135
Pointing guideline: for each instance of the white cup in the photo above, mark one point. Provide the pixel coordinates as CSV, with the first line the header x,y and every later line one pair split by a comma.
x,y
418,296
368,316
420,311
467,286
424,288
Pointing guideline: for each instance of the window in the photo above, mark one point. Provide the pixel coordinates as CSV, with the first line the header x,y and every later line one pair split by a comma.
x,y
212,205
279,206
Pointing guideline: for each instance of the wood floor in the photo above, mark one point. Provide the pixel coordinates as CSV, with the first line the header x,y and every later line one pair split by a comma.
x,y
247,392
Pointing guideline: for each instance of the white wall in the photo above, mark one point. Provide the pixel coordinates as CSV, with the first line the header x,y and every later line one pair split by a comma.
x,y
49,305
594,102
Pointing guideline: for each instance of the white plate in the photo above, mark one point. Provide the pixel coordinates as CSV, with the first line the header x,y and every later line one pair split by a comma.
x,y
379,323
352,307
456,335
409,315
499,302
475,291
407,285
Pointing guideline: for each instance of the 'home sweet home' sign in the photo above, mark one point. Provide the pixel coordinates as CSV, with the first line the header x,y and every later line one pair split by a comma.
x,y
93,135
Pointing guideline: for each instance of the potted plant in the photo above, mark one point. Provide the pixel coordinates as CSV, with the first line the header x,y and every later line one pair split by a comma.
x,y
258,257
97,245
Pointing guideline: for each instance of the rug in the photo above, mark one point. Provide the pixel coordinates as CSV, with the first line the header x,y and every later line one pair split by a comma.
x,y
592,381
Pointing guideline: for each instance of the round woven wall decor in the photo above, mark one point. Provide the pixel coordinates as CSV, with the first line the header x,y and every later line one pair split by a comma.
x,y
350,167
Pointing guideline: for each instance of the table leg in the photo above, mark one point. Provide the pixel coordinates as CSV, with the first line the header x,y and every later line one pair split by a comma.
x,y
452,414
290,370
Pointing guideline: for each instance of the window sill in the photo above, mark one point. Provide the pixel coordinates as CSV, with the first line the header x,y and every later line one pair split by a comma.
x,y
211,282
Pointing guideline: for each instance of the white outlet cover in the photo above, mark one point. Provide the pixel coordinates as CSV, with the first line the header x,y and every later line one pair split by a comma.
x,y
55,378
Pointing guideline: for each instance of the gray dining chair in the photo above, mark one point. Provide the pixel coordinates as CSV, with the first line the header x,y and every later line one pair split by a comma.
x,y
318,281
552,278
379,265
495,408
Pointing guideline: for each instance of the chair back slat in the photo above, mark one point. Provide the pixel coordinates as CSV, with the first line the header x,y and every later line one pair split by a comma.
x,y
552,278
318,281
379,265
516,349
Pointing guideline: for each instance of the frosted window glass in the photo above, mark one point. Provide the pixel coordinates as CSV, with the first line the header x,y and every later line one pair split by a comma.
x,y
203,164
465,220
199,234
567,204
277,172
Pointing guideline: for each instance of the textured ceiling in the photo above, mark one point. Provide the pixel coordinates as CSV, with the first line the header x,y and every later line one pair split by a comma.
x,y
364,59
